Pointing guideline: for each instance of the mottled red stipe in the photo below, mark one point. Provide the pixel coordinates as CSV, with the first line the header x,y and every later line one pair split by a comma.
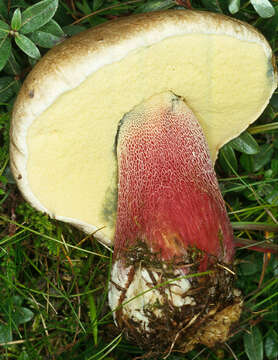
x,y
168,194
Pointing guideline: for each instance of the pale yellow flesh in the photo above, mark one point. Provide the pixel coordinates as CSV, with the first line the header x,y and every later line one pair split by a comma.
x,y
71,162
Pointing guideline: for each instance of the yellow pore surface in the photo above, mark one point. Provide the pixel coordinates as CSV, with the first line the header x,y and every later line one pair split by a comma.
x,y
72,164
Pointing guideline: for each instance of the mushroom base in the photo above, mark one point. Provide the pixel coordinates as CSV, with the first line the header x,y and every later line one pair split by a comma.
x,y
167,306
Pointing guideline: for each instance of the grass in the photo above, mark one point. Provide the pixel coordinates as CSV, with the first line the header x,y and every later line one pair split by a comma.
x,y
54,279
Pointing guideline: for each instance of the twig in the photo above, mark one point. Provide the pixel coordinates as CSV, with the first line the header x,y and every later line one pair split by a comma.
x,y
264,245
199,353
105,9
231,351
267,257
41,316
16,342
258,226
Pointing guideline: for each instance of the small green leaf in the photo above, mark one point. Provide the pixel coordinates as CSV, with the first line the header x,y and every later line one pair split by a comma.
x,y
5,51
212,5
44,39
6,88
249,267
84,7
52,27
272,198
27,46
32,61
17,300
227,159
234,6
3,8
12,67
23,356
97,4
272,316
274,167
5,334
271,26
245,143
263,157
22,315
253,344
274,101
155,5
253,163
275,268
73,29
271,345
38,15
3,180
16,20
247,162
4,29
263,190
263,8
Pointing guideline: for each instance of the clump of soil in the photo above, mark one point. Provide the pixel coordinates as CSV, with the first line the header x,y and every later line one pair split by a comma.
x,y
213,309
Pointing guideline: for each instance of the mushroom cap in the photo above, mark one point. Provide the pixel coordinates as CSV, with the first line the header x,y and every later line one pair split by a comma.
x,y
66,116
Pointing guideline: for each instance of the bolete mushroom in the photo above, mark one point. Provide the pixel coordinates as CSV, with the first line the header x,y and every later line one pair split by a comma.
x,y
116,131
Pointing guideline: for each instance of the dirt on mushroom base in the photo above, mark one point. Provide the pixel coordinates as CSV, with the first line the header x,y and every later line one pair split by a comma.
x,y
202,313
